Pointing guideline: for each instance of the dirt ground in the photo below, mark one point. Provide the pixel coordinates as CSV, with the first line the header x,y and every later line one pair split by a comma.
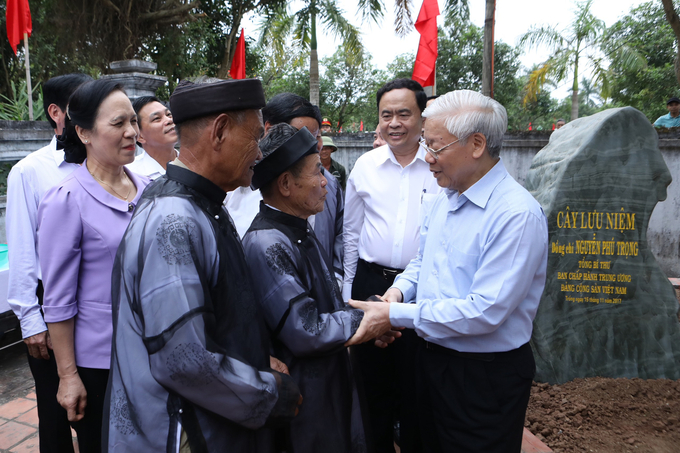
x,y
607,415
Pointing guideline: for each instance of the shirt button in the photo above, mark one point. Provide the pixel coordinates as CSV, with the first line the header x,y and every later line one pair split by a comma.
x,y
217,217
299,241
181,411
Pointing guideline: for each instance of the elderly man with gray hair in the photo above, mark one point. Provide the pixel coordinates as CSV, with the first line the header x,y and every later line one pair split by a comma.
x,y
472,291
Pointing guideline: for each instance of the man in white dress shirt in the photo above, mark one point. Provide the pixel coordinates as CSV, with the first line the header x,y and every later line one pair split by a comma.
x,y
387,191
156,135
27,182
472,292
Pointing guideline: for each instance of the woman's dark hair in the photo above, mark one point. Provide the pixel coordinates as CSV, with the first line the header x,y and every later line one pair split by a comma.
x,y
82,110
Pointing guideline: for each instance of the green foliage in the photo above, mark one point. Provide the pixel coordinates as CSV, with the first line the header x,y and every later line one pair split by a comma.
x,y
347,88
584,39
646,30
15,107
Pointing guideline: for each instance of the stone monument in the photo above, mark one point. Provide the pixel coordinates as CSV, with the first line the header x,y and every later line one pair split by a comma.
x,y
607,309
135,78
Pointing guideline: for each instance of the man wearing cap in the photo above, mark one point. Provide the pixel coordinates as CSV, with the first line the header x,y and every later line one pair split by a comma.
x,y
307,318
243,203
331,165
190,354
672,118
326,126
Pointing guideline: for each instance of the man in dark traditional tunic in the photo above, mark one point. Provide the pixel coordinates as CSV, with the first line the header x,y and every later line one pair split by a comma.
x,y
190,360
302,304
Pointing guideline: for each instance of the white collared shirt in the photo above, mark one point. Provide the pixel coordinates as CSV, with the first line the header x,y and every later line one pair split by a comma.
x,y
146,165
27,183
383,208
479,275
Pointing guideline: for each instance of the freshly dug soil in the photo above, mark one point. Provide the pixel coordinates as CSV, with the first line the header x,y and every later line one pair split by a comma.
x,y
607,415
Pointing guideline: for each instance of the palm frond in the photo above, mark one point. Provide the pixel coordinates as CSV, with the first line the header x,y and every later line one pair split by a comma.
x,y
626,57
274,30
537,36
371,10
456,9
537,79
332,17
403,23
302,34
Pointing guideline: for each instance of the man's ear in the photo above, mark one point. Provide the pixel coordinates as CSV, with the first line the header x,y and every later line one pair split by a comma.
x,y
478,144
55,112
267,125
220,130
285,182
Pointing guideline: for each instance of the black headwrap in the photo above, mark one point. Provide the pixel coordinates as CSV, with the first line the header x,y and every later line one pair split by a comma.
x,y
282,158
191,100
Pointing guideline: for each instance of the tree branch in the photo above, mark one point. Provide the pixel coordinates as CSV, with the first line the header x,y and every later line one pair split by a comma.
x,y
674,21
168,14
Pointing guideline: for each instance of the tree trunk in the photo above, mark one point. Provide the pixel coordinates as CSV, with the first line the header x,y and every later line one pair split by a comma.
x,y
228,56
487,63
674,21
574,90
313,61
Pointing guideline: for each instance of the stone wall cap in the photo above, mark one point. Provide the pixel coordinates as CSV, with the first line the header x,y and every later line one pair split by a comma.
x,y
123,66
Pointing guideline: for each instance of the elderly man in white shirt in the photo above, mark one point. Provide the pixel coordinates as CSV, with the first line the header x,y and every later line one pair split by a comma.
x,y
156,135
472,292
27,182
387,193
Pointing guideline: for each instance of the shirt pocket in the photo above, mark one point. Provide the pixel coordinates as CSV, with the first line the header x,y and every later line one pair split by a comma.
x,y
461,269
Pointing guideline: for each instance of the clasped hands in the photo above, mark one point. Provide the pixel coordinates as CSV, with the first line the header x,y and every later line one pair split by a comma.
x,y
376,321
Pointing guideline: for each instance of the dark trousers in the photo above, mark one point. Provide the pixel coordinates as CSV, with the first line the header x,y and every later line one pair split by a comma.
x,y
54,430
473,403
89,429
387,375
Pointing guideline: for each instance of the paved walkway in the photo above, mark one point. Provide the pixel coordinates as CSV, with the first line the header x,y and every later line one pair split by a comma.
x,y
19,416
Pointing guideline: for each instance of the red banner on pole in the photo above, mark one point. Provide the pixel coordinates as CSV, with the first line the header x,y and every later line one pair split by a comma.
x,y
18,22
426,60
238,64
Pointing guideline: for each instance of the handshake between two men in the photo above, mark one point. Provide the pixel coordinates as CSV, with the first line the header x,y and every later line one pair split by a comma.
x,y
375,324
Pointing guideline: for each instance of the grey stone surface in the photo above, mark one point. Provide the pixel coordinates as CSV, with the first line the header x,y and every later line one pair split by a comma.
x,y
122,66
137,84
19,138
608,309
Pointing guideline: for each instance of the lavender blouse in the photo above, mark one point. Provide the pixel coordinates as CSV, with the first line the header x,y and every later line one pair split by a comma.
x,y
80,226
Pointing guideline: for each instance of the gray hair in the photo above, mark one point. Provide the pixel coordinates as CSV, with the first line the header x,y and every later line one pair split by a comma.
x,y
466,112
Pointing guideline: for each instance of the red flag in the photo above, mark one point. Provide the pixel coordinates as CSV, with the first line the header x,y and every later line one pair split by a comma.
x,y
238,64
530,128
18,22
361,126
426,60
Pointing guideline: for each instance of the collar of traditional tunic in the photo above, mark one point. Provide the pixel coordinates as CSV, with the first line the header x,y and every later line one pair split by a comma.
x,y
204,186
291,221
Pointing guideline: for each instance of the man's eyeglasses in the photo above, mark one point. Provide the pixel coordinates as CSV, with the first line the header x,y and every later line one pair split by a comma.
x,y
435,152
